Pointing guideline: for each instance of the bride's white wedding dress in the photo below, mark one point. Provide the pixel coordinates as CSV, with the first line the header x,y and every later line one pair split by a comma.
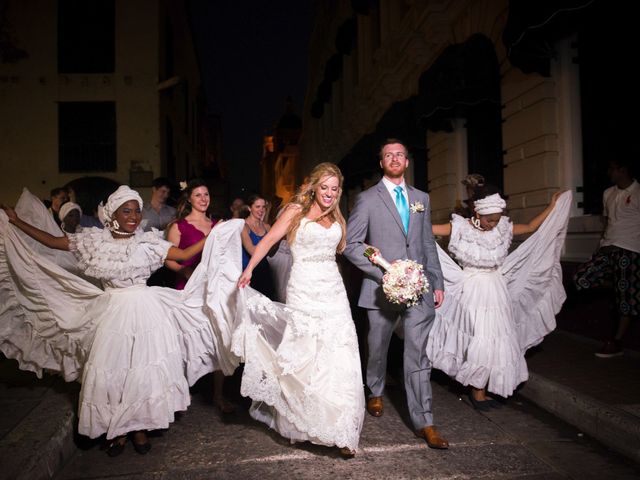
x,y
302,364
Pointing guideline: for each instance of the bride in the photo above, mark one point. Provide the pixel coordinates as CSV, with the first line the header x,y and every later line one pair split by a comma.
x,y
302,364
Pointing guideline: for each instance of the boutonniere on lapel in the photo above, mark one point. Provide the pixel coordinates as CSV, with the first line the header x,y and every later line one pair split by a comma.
x,y
416,207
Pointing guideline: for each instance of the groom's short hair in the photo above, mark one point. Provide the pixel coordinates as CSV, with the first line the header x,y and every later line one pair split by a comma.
x,y
390,141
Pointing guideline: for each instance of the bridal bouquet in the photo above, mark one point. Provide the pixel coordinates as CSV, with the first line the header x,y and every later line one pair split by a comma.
x,y
404,281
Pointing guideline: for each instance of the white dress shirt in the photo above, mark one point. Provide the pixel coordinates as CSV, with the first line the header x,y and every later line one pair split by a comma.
x,y
391,188
622,209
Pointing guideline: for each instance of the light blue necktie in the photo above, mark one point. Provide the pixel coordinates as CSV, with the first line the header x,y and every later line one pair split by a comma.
x,y
403,208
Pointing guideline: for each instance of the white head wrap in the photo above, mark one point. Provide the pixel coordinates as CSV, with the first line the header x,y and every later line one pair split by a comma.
x,y
66,208
488,205
122,195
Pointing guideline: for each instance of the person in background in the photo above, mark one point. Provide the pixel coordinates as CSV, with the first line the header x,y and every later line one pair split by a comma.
x,y
237,207
59,196
85,220
70,214
194,223
617,260
157,214
254,230
471,183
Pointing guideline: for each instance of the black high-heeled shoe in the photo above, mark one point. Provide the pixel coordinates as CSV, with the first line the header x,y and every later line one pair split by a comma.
x,y
480,405
115,447
142,448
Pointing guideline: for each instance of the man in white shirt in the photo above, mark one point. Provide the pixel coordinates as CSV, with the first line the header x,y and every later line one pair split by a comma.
x,y
618,258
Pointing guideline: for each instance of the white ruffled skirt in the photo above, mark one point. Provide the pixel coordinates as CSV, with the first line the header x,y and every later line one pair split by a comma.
x,y
476,342
491,317
134,377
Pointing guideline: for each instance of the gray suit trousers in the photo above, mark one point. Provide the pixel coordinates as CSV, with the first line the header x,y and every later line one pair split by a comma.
x,y
417,367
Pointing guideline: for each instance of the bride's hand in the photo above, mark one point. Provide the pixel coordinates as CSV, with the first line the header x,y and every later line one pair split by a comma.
x,y
374,252
245,279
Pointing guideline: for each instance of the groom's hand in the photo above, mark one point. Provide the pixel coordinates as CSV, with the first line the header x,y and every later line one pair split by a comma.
x,y
438,298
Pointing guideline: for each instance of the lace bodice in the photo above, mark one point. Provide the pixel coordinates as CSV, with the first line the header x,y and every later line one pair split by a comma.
x,y
315,243
118,263
314,273
480,249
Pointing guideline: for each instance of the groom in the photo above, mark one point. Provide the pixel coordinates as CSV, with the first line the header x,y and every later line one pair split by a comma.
x,y
395,218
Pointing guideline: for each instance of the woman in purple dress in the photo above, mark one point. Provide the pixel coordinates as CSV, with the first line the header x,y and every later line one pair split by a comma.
x,y
193,223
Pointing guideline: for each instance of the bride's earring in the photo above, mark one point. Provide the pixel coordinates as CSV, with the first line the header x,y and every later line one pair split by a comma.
x,y
476,223
116,225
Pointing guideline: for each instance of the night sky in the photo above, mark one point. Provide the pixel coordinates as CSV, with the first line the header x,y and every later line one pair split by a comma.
x,y
252,54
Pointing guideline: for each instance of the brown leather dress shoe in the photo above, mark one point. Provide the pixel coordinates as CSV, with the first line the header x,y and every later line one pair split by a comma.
x,y
347,453
433,437
375,406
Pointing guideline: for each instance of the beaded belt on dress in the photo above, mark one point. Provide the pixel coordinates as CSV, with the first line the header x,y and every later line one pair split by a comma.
x,y
319,258
480,269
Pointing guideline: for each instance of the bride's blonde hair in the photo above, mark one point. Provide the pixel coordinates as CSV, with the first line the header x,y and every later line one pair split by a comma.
x,y
305,196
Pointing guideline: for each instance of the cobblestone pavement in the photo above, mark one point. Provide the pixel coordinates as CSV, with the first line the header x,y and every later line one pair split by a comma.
x,y
516,441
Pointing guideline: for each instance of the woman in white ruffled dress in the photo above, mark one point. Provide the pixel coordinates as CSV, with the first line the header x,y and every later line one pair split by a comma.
x,y
123,342
498,304
302,363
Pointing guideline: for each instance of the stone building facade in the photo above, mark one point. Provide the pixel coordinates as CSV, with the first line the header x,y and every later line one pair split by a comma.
x,y
533,95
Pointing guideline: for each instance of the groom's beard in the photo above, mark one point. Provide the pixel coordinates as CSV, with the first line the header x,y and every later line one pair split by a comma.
x,y
393,174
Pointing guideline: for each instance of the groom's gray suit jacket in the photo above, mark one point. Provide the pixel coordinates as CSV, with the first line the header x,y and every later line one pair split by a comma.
x,y
375,221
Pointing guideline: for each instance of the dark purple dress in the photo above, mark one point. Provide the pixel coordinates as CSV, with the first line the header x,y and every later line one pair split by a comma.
x,y
188,236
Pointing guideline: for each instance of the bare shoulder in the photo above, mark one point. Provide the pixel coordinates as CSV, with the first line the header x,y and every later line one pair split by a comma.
x,y
292,209
173,229
287,213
